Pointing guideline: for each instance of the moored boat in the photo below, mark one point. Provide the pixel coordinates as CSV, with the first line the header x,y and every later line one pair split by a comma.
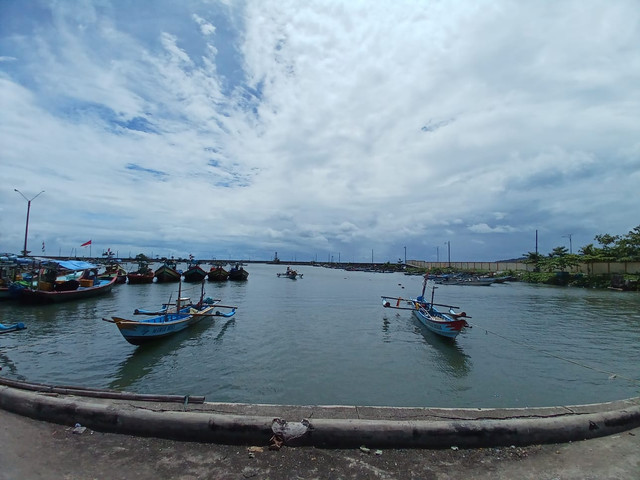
x,y
238,273
194,273
114,270
169,320
447,325
144,274
290,273
217,274
8,274
167,272
12,328
63,281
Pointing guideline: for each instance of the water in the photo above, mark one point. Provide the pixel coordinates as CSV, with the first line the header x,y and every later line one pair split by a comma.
x,y
325,339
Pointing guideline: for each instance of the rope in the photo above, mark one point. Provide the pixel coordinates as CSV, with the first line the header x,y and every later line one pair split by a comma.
x,y
590,367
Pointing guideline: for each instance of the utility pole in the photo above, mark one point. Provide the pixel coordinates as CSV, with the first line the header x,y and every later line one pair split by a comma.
x,y
568,235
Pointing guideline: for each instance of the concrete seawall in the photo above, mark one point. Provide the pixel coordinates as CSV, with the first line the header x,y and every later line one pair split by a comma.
x,y
321,426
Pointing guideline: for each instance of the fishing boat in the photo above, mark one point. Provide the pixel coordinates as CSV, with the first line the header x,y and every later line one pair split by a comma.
x,y
447,325
194,273
476,281
143,274
238,273
9,272
12,328
167,272
217,274
170,319
114,270
61,281
290,273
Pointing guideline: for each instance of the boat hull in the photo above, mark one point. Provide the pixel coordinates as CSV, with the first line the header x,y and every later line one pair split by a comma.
x,y
12,328
218,275
33,296
238,275
194,274
144,331
140,278
166,274
442,327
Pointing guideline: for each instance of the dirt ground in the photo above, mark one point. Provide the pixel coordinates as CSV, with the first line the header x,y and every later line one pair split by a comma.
x,y
31,449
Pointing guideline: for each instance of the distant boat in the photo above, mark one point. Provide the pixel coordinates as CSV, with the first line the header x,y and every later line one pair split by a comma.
x,y
144,274
194,273
167,273
61,281
12,328
290,273
238,273
217,274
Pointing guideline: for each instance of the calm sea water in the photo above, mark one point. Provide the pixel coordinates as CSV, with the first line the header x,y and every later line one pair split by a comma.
x,y
325,339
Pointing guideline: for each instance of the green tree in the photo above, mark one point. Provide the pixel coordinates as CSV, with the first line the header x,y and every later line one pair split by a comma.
x,y
535,259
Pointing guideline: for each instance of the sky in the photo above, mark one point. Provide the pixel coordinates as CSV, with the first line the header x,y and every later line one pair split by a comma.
x,y
324,130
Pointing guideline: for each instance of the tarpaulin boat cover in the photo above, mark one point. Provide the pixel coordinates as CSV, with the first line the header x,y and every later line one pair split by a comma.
x,y
75,264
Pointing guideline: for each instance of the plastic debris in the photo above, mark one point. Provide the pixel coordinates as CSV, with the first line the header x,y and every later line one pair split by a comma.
x,y
79,429
377,453
287,431
255,449
454,448
365,449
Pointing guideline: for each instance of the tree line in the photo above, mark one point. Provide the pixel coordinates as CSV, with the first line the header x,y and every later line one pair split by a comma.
x,y
609,248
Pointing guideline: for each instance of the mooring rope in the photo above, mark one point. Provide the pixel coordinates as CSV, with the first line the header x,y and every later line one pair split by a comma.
x,y
611,375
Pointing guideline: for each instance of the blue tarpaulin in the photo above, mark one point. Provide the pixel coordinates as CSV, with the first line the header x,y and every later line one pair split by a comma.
x,y
75,264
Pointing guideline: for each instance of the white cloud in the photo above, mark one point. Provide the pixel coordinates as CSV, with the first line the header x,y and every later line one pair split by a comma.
x,y
323,127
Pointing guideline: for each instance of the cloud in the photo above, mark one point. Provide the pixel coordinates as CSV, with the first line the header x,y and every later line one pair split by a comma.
x,y
323,127
484,228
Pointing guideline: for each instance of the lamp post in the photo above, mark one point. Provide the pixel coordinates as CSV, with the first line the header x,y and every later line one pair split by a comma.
x,y
26,228
405,255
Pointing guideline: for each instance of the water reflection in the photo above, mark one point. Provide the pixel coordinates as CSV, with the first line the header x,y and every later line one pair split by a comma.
x,y
10,367
449,357
146,358
445,355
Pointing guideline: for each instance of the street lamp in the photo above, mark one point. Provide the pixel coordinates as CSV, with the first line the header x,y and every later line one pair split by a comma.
x,y
405,255
26,228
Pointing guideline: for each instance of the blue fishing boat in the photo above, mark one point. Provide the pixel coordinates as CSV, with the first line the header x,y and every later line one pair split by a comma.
x,y
447,325
12,328
170,319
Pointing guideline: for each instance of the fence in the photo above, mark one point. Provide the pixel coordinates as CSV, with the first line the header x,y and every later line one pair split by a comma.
x,y
597,268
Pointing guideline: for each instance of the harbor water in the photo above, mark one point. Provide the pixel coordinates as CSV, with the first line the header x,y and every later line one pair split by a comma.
x,y
326,339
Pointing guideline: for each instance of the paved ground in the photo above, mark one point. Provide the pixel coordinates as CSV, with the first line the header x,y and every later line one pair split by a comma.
x,y
31,449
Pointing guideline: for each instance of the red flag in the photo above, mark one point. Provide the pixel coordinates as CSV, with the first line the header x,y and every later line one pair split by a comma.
x,y
86,244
